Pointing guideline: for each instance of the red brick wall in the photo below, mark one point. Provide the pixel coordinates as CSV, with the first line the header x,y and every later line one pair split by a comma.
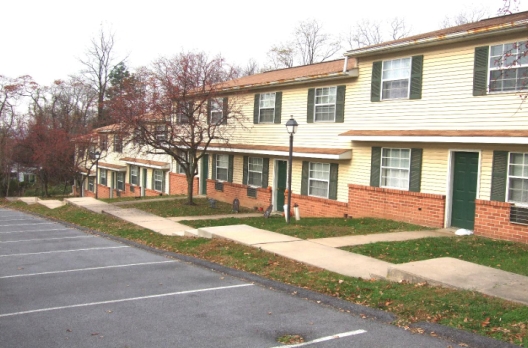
x,y
103,191
232,191
413,207
492,220
178,184
89,193
316,207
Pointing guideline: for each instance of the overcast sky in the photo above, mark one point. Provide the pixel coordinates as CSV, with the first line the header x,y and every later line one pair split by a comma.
x,y
44,39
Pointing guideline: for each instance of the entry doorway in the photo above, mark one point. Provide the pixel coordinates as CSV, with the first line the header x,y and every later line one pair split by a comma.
x,y
464,189
281,172
204,174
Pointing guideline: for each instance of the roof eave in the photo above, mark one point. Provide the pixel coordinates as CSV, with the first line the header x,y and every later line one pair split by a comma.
x,y
466,35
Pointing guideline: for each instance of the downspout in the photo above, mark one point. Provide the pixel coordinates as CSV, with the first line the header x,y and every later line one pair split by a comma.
x,y
346,63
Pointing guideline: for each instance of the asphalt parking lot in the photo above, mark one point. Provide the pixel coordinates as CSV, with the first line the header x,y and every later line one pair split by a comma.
x,y
62,287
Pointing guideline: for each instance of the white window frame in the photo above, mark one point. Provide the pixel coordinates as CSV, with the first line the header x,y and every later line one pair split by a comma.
x,y
91,184
103,142
384,79
329,93
118,143
325,169
217,111
226,168
394,168
158,179
251,170
120,184
161,133
523,178
265,100
134,175
519,61
103,175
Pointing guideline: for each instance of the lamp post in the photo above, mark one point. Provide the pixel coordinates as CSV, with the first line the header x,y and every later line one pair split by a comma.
x,y
97,155
291,127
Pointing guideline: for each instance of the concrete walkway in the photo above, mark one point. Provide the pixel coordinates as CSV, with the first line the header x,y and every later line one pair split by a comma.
x,y
324,252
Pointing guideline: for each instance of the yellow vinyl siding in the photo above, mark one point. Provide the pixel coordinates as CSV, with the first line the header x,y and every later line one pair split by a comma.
x,y
434,170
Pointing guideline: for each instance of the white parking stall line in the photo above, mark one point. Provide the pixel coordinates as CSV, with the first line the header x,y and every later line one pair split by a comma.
x,y
43,239
51,229
65,251
36,223
124,300
18,220
324,339
87,269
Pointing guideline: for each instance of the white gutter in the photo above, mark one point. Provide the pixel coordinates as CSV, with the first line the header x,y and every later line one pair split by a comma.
x,y
166,166
440,139
342,156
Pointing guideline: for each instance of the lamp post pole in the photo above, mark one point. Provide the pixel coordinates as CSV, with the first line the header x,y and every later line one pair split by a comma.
x,y
97,156
291,127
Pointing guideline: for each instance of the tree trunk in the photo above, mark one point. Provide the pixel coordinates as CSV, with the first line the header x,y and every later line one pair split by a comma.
x,y
190,184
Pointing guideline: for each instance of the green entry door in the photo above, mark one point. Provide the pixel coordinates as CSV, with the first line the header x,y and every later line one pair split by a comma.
x,y
465,178
282,174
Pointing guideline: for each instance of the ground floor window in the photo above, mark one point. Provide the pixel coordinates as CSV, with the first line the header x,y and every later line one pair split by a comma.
x,y
158,180
395,168
255,167
222,167
102,177
518,178
120,181
91,184
134,175
319,179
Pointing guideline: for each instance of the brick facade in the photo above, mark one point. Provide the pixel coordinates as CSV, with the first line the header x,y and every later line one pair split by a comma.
x,y
232,191
413,207
104,192
492,220
178,184
317,207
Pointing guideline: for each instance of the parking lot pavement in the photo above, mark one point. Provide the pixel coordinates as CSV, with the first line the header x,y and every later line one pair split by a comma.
x,y
60,291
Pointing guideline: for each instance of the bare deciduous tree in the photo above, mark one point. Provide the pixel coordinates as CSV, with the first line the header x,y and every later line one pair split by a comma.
x,y
469,15
280,56
98,63
176,108
313,44
368,33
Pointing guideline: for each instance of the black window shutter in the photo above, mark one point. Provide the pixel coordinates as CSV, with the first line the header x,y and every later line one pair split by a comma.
x,y
375,167
265,172
209,111
480,71
153,186
375,84
340,104
499,175
245,171
415,179
230,170
256,108
130,174
416,77
310,107
278,107
163,182
225,110
213,168
304,178
332,190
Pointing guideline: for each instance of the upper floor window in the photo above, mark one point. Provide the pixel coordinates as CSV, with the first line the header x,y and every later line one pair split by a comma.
x,y
508,67
395,78
395,168
222,167
267,108
518,178
216,111
103,142
325,104
161,133
118,143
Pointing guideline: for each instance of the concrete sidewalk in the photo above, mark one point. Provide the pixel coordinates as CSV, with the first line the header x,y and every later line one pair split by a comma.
x,y
135,216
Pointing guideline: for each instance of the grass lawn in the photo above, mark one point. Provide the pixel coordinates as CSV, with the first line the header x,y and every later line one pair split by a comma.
x,y
465,310
507,256
172,208
308,228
